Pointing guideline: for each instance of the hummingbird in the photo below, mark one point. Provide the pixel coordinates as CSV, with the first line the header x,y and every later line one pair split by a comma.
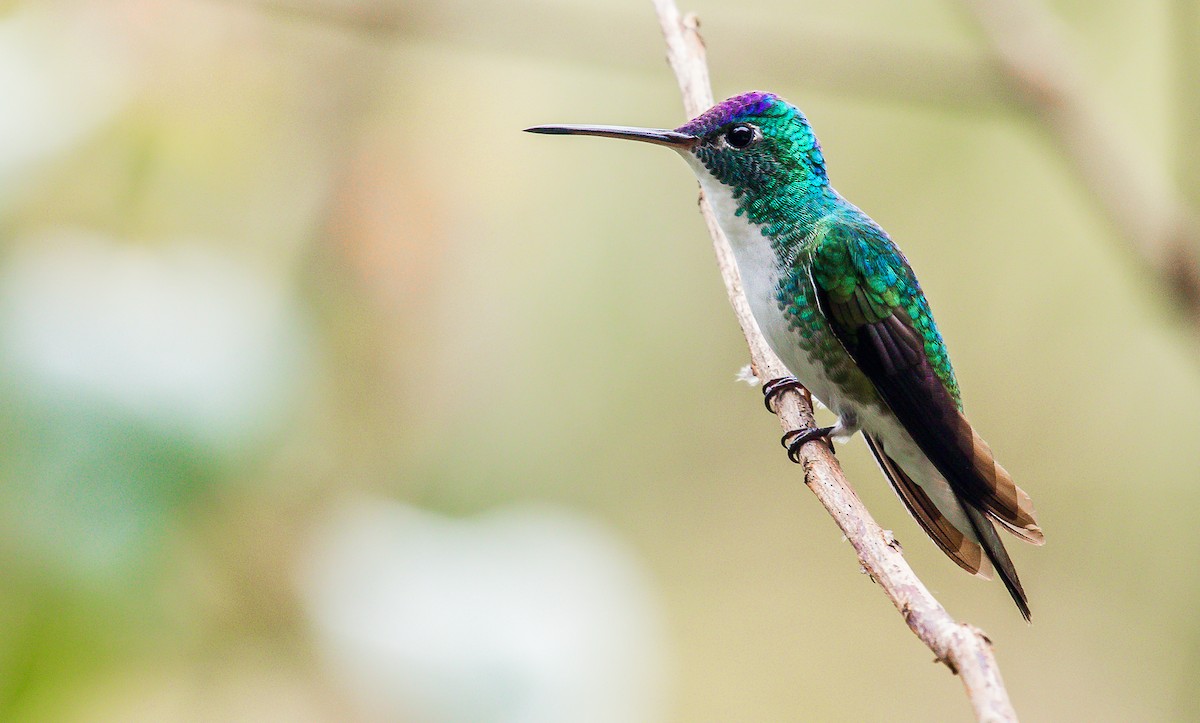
x,y
839,304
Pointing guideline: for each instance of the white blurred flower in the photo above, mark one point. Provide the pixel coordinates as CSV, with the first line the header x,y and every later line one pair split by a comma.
x,y
523,615
179,336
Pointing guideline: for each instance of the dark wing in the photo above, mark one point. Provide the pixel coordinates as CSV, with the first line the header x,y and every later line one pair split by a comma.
x,y
876,309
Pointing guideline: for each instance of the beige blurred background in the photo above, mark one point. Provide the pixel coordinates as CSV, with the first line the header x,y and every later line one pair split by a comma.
x,y
326,394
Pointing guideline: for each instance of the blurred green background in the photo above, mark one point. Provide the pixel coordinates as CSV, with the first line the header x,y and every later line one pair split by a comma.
x,y
326,394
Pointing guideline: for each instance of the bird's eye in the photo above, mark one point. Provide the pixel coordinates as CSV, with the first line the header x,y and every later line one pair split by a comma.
x,y
740,135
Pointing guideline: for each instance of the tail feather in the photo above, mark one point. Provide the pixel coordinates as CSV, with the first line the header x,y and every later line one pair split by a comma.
x,y
995,551
977,550
1007,503
957,546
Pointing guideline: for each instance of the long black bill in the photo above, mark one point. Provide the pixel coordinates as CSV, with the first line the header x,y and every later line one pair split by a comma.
x,y
656,136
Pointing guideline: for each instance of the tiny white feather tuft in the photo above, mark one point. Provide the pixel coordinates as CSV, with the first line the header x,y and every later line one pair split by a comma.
x,y
746,374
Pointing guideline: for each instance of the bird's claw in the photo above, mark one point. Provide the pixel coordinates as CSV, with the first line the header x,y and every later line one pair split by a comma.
x,y
795,439
772,389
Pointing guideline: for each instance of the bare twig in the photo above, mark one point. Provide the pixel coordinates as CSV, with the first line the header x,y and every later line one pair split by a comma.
x,y
1140,201
963,648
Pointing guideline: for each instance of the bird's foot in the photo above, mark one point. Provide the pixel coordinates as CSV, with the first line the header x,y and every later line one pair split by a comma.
x,y
772,389
795,439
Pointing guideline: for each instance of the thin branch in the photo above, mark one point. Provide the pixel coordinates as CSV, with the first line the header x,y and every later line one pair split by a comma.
x,y
1140,201
963,648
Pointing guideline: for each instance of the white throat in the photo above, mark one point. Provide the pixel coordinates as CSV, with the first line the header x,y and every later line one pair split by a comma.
x,y
756,260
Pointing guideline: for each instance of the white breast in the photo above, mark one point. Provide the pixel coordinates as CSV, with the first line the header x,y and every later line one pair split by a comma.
x,y
759,269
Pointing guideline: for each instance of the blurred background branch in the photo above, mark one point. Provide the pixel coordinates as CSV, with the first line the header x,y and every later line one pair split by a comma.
x,y
1141,201
879,67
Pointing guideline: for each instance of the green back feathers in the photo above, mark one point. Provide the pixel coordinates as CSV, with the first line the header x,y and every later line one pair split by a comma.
x,y
867,279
